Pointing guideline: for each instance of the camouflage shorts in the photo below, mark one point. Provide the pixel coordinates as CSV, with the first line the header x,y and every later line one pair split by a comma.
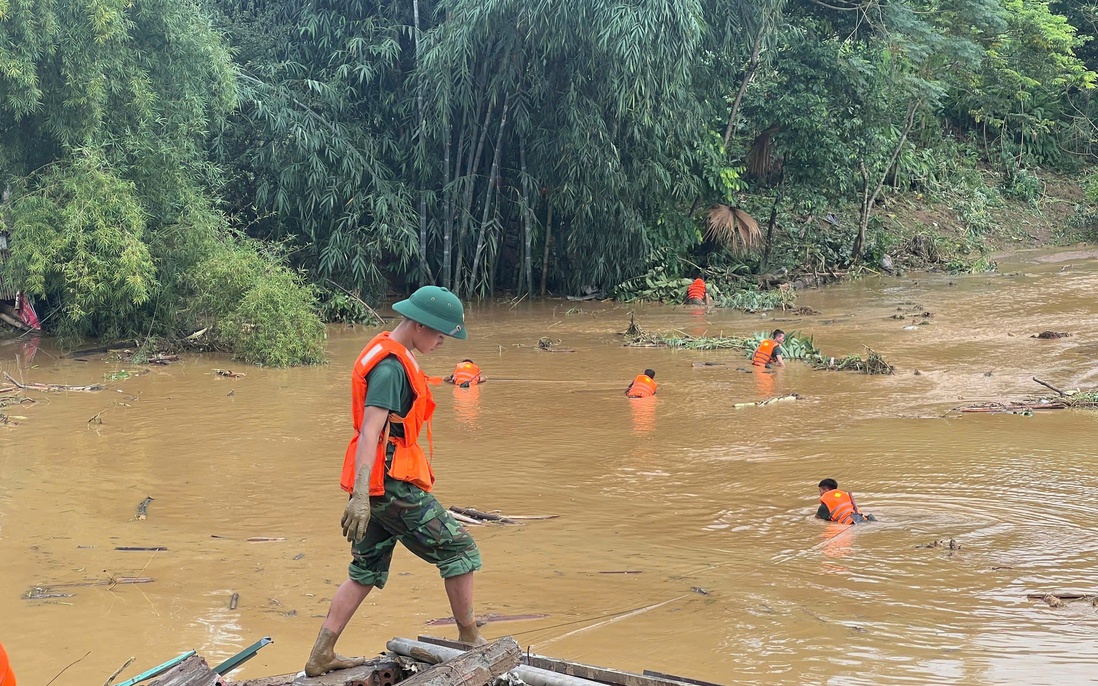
x,y
408,514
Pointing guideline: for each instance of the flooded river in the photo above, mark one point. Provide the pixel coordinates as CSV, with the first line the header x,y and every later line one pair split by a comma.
x,y
708,508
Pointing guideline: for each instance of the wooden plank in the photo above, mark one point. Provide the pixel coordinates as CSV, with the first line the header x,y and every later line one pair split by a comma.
x,y
475,667
591,672
680,679
602,674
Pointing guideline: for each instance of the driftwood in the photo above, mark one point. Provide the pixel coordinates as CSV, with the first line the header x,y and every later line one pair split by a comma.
x,y
228,373
52,387
1047,335
1010,408
379,671
466,520
602,675
112,677
769,401
1049,386
485,516
191,672
264,539
141,549
143,508
426,652
475,667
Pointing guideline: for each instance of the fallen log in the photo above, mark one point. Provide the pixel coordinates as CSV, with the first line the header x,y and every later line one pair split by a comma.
x,y
53,387
426,652
191,672
475,667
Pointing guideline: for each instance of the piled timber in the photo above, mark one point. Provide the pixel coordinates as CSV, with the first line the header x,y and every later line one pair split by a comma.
x,y
428,661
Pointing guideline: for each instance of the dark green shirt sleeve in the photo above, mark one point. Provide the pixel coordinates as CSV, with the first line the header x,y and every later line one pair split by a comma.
x,y
823,512
777,351
387,387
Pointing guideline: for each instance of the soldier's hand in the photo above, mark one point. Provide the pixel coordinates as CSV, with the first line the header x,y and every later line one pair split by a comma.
x,y
356,517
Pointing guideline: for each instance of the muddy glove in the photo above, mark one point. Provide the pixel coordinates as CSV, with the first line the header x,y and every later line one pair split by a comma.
x,y
357,515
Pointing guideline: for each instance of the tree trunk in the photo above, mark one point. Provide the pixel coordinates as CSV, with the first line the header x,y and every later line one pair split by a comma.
x,y
424,271
474,667
527,224
868,199
752,66
478,254
548,241
448,206
474,162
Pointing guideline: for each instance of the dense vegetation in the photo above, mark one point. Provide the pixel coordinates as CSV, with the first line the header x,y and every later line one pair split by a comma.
x,y
171,166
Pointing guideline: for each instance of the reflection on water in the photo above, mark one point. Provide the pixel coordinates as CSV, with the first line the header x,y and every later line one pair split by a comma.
x,y
688,522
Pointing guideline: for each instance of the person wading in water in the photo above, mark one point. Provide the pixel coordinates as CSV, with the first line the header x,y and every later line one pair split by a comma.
x,y
770,351
465,374
644,386
389,477
838,506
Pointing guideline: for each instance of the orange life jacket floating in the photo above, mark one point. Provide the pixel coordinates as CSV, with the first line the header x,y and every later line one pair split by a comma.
x,y
642,387
764,354
410,463
840,505
466,372
696,290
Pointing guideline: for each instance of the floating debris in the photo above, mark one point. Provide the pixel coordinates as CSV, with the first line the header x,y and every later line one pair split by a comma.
x,y
1051,334
872,364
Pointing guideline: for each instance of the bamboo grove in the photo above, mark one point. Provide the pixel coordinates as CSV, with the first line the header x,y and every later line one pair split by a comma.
x,y
495,145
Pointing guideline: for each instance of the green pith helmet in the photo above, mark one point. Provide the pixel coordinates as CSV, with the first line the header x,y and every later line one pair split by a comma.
x,y
437,308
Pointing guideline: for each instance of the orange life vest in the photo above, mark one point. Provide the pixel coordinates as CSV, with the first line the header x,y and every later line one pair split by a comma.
x,y
696,290
764,354
410,463
840,505
642,387
7,676
466,372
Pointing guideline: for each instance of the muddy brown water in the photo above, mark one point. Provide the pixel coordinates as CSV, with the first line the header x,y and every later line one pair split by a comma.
x,y
685,490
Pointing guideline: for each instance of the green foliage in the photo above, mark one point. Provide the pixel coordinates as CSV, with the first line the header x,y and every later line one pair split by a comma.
x,y
275,324
752,299
659,284
250,304
79,241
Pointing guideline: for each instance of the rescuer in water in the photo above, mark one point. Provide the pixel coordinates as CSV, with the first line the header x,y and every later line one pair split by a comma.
x,y
644,386
770,351
465,374
698,294
838,506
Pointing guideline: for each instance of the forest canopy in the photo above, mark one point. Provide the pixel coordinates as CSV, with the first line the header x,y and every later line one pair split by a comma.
x,y
243,165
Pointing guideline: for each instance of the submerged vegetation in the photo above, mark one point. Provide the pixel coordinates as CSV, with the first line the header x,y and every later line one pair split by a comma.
x,y
239,167
796,346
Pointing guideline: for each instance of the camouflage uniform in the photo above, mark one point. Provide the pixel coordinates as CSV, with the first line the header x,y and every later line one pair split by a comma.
x,y
408,514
